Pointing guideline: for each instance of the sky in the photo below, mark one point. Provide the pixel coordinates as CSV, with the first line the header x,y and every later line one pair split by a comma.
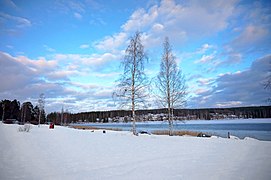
x,y
72,50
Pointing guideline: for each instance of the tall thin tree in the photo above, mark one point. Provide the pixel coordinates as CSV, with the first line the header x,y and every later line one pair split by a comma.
x,y
41,105
131,88
267,84
170,83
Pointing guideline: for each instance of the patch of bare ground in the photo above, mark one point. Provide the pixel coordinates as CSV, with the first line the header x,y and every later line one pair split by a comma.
x,y
178,133
157,132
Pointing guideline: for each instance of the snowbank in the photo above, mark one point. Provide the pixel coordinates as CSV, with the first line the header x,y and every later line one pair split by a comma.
x,y
65,153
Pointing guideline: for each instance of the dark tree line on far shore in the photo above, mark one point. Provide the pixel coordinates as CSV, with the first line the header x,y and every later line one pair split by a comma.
x,y
26,112
181,114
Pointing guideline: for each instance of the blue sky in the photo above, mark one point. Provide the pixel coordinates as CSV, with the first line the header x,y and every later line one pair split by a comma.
x,y
71,50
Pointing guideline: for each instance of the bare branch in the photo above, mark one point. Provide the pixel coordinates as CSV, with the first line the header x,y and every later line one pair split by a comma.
x,y
170,83
131,90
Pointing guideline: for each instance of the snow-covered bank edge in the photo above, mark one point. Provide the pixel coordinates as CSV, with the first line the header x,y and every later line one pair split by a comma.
x,y
184,133
180,133
222,121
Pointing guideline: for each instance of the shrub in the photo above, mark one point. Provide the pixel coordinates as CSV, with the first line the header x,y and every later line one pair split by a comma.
x,y
25,128
176,133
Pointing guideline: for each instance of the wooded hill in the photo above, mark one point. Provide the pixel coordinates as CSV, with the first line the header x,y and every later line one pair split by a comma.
x,y
160,114
28,113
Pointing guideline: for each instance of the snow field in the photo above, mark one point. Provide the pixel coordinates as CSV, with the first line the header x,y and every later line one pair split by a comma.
x,y
65,153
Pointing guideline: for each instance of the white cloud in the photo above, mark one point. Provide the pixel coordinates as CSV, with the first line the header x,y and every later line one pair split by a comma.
x,y
232,58
178,21
85,59
251,31
242,88
97,21
112,43
249,38
77,16
205,47
40,65
205,81
84,85
62,75
20,22
76,6
229,104
103,94
69,6
205,58
13,75
8,3
9,46
49,49
24,79
84,46
201,90
107,75
140,19
198,18
157,27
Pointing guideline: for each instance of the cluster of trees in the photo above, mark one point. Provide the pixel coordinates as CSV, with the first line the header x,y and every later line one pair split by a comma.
x,y
22,113
202,114
95,116
132,90
61,118
133,85
10,109
267,84
217,113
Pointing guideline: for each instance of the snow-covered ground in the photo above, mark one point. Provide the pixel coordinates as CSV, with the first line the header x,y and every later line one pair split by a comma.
x,y
65,153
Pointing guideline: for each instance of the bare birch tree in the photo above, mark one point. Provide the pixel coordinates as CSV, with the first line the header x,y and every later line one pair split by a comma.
x,y
41,104
267,84
131,89
170,84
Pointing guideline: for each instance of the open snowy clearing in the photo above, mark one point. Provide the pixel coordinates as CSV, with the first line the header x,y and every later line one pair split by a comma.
x,y
65,153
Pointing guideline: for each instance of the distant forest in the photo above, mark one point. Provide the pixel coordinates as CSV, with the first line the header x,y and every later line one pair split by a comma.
x,y
29,113
181,114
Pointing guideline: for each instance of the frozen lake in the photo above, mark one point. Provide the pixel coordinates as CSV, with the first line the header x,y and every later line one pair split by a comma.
x,y
255,128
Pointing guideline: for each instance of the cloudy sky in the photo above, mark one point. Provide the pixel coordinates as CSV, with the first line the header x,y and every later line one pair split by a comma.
x,y
71,50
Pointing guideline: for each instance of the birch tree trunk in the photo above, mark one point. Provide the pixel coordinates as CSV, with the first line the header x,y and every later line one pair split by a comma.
x,y
170,84
131,89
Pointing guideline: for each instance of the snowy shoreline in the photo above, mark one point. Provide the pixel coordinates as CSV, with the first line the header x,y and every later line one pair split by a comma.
x,y
254,128
224,121
66,153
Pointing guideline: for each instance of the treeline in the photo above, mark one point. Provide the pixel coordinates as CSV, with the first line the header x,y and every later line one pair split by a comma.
x,y
94,116
26,112
220,113
203,114
14,111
